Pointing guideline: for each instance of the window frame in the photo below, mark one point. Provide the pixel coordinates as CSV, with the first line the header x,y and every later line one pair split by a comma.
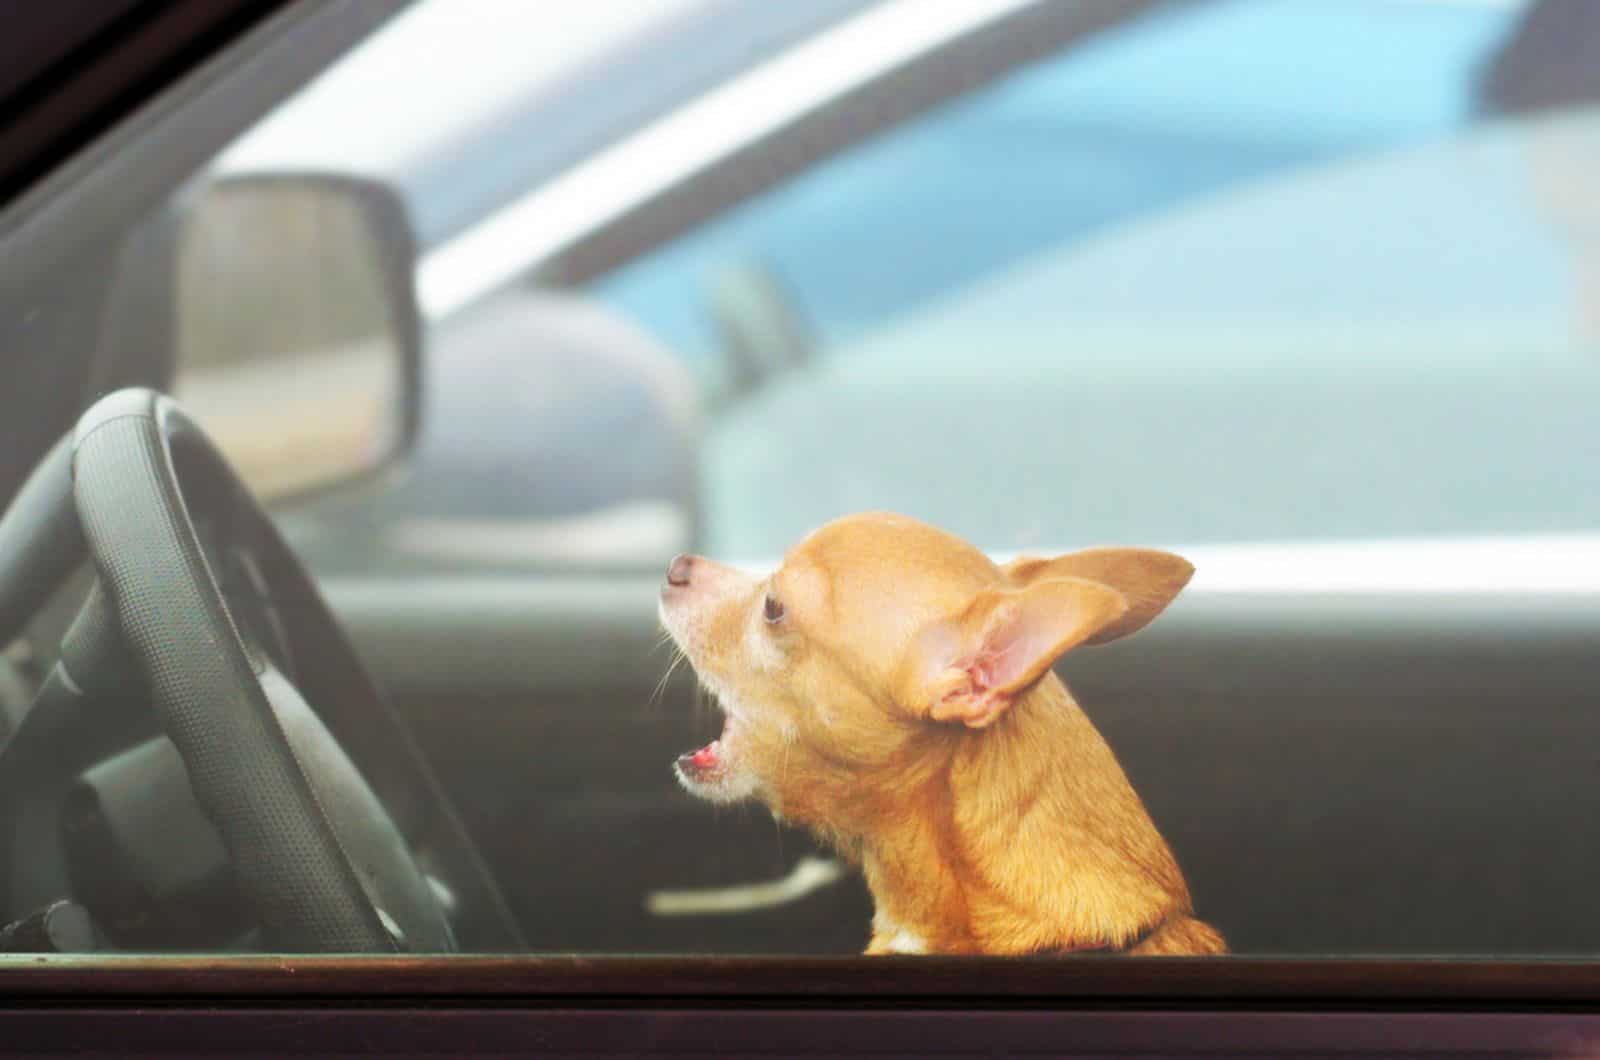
x,y
1231,982
457,1011
171,996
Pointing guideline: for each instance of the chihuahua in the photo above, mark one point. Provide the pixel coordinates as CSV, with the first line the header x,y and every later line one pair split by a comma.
x,y
891,689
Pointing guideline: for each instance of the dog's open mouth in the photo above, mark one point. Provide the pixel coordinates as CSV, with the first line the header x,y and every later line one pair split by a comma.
x,y
703,765
706,770
710,763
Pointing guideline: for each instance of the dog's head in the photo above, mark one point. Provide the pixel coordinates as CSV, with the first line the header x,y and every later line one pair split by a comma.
x,y
877,639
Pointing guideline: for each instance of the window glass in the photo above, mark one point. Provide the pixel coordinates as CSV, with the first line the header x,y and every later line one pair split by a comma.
x,y
1206,278
1146,118
1266,331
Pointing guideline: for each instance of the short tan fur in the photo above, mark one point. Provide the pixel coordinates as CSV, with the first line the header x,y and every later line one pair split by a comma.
x,y
891,688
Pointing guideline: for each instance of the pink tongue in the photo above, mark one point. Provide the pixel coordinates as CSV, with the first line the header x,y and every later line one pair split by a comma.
x,y
706,757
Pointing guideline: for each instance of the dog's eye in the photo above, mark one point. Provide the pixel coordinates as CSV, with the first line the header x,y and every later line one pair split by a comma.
x,y
772,611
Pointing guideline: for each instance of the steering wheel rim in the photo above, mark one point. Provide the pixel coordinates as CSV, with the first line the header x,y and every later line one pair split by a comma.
x,y
315,853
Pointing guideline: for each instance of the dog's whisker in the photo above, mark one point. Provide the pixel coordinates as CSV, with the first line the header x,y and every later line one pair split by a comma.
x,y
654,698
661,686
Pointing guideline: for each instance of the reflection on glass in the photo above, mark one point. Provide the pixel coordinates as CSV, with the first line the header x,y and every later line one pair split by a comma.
x,y
288,353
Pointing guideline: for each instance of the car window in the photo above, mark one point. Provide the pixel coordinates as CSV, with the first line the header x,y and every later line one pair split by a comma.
x,y
1172,108
1231,301
1140,505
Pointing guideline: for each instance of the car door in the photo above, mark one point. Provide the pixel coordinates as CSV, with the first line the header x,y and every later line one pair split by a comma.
x,y
1526,624
1298,334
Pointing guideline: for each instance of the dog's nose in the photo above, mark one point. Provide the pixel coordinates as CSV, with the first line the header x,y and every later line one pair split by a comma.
x,y
678,569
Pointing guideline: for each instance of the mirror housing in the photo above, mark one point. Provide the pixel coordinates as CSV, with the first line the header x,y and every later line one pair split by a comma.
x,y
296,332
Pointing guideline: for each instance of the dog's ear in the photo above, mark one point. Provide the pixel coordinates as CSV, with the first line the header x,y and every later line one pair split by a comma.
x,y
1148,579
972,667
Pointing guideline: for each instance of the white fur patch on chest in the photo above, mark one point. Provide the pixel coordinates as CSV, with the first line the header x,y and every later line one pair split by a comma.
x,y
903,941
897,938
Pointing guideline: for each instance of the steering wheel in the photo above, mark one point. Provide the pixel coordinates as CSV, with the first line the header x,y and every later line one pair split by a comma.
x,y
200,599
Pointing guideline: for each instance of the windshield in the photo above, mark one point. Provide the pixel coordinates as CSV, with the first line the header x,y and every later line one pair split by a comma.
x,y
1010,478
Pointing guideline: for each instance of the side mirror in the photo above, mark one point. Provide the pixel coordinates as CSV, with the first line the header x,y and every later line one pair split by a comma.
x,y
296,330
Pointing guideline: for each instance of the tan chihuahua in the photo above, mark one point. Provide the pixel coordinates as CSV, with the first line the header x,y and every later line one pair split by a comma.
x,y
890,688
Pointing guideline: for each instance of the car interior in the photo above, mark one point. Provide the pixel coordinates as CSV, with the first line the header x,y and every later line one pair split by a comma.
x,y
474,755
